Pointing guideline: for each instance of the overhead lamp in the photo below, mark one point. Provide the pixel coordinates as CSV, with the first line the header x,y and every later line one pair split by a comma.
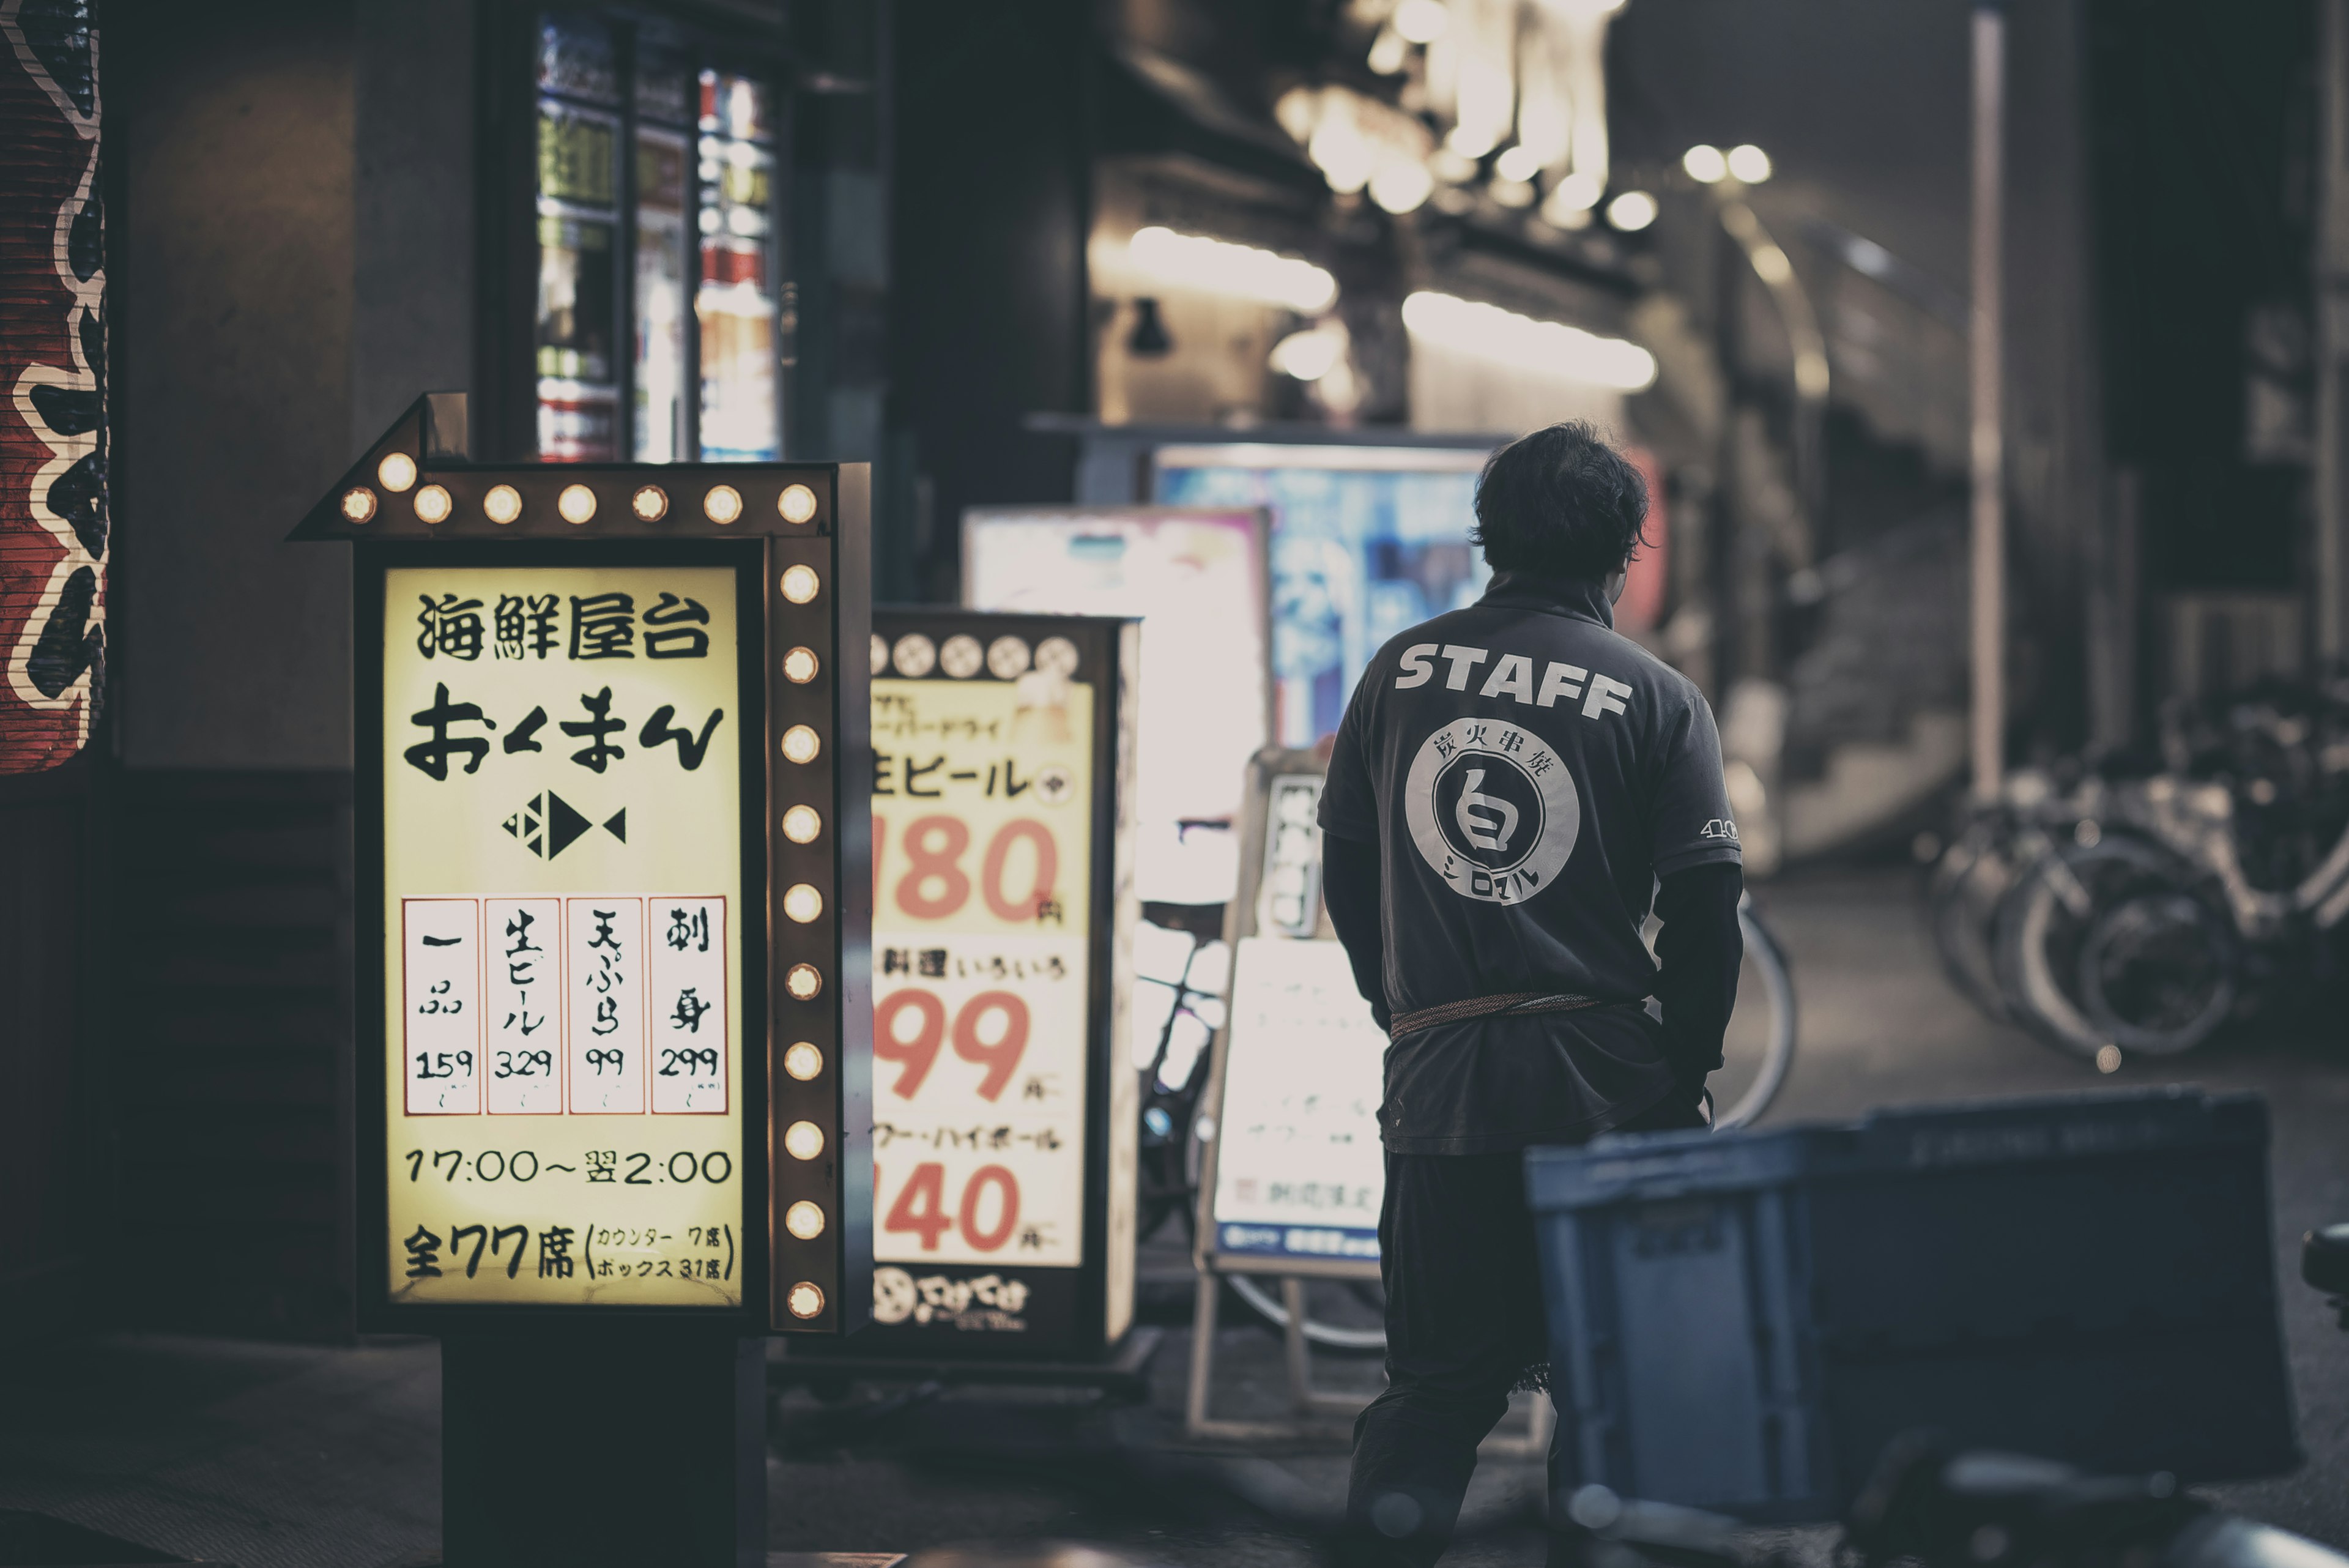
x,y
1704,163
1632,211
1401,185
1219,266
1342,153
1470,139
1421,21
1308,356
1451,166
1749,163
1576,192
1546,347
1519,163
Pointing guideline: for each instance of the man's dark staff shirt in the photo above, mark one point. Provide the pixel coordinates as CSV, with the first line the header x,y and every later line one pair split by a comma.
x,y
1526,774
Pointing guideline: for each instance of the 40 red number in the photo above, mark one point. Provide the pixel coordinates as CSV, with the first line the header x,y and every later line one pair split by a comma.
x,y
916,1056
935,886
920,1208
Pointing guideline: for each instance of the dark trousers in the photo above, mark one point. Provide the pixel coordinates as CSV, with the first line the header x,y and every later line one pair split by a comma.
x,y
1464,1326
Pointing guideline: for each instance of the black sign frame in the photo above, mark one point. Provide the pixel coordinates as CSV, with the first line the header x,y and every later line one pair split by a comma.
x,y
1074,1313
759,544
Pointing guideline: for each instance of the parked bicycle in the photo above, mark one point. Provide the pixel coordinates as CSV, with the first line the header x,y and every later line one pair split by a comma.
x,y
2115,915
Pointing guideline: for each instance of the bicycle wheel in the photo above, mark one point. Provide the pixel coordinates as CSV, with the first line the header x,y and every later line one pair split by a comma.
x,y
2107,945
1962,898
1759,1046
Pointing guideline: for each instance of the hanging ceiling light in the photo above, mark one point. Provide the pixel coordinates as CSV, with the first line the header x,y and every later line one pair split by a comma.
x,y
1632,211
1749,163
1401,185
1421,21
1547,347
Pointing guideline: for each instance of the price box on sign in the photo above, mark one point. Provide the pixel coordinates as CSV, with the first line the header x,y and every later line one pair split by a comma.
x,y
612,895
1003,1134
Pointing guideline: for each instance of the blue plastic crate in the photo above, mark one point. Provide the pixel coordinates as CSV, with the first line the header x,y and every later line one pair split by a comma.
x,y
1742,1320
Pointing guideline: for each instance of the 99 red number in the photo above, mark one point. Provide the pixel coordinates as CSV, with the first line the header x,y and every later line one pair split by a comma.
x,y
918,1056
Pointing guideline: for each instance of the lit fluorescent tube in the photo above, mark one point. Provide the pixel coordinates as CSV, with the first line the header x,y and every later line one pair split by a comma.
x,y
1218,266
1549,348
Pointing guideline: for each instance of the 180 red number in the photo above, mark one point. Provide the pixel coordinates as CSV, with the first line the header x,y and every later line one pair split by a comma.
x,y
935,886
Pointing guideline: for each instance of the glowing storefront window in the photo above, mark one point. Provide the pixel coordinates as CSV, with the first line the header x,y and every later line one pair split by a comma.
x,y
735,302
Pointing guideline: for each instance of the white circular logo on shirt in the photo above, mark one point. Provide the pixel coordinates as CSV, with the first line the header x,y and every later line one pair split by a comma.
x,y
1492,809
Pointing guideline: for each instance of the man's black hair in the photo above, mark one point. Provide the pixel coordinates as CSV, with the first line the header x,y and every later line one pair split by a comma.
x,y
1560,502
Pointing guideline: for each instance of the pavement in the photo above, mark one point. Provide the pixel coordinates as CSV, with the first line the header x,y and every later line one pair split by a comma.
x,y
274,1455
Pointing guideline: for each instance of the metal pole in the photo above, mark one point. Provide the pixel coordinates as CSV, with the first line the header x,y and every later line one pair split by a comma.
x,y
2332,338
1988,367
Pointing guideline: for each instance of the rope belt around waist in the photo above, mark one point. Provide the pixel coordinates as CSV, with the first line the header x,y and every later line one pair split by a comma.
x,y
1511,1005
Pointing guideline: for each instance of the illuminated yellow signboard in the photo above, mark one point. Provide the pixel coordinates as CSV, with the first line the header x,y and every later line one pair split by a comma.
x,y
1002,1128
612,897
562,903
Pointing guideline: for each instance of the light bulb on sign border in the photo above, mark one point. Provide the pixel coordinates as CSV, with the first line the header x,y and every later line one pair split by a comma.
x,y
576,504
799,584
804,1220
796,503
502,505
803,1140
803,1061
432,504
396,472
358,503
806,1299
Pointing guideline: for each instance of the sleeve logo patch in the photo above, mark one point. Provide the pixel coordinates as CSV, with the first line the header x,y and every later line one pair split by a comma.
x,y
1721,828
1492,809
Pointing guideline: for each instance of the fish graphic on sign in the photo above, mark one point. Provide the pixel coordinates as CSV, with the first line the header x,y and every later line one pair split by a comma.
x,y
548,825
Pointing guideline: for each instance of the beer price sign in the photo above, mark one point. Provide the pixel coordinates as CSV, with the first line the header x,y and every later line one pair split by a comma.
x,y
1002,1125
613,1003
